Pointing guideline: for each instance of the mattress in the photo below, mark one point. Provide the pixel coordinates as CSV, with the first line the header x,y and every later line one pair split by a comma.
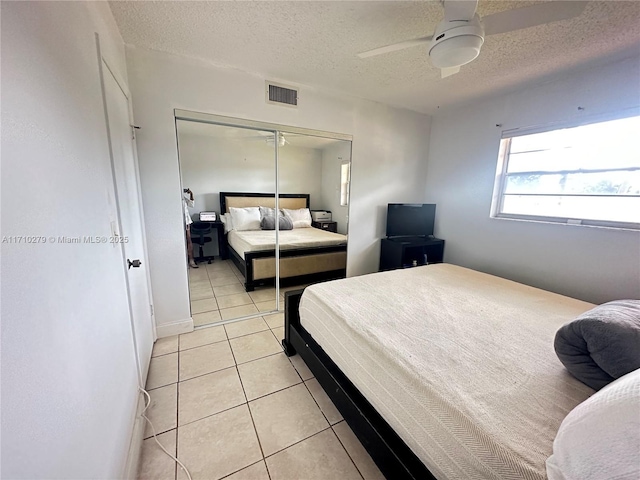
x,y
459,363
256,240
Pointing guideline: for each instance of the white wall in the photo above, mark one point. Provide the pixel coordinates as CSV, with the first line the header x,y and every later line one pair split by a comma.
x,y
592,264
389,156
210,165
333,157
69,381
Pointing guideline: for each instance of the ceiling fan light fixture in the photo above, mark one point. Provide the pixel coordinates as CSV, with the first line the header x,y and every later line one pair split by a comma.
x,y
271,140
456,42
456,51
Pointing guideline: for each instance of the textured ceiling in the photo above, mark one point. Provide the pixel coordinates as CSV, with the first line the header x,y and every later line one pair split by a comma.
x,y
315,43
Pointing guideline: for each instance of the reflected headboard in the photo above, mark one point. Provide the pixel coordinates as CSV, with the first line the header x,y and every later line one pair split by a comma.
x,y
291,201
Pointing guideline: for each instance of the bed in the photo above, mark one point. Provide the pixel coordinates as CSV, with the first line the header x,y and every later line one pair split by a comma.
x,y
306,254
441,371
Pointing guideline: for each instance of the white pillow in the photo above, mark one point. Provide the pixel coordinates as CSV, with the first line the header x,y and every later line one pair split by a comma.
x,y
245,218
600,438
226,221
300,218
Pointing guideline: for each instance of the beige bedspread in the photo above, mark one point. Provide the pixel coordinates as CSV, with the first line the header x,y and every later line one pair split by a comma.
x,y
459,363
255,240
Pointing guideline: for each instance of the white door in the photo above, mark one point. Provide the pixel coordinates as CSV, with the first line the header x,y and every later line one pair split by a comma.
x,y
125,171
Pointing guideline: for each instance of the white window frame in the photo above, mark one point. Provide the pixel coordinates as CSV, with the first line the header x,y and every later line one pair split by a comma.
x,y
503,163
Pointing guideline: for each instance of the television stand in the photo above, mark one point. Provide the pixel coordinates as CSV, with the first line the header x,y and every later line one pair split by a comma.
x,y
406,252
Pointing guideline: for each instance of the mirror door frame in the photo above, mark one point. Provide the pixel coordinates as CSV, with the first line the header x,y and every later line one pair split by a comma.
x,y
277,129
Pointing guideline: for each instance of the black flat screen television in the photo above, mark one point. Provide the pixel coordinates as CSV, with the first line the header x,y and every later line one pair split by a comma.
x,y
410,219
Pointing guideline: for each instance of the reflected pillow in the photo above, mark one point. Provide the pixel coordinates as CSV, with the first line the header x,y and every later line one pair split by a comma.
x,y
301,218
269,223
226,221
247,218
268,212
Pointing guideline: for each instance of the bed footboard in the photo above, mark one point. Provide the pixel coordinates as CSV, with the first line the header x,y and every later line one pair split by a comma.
x,y
392,456
301,265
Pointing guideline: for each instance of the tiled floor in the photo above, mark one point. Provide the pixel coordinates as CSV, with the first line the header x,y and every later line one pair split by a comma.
x,y
217,293
231,405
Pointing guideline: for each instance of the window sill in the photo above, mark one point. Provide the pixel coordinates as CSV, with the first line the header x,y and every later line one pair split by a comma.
x,y
564,223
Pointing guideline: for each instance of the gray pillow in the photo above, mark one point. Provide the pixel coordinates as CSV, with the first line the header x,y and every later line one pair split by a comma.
x,y
268,222
602,344
268,212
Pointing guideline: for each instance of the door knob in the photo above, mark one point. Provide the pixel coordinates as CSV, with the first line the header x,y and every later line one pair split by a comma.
x,y
134,263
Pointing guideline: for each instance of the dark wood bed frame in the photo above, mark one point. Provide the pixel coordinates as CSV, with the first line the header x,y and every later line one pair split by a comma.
x,y
245,265
392,456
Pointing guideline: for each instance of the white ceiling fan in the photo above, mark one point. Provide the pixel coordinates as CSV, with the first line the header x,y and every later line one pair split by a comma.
x,y
460,35
269,138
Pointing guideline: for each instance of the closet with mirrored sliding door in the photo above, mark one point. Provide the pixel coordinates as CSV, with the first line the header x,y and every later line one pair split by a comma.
x,y
265,210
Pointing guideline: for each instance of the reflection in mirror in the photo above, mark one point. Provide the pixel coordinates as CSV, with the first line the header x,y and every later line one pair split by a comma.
x,y
231,173
214,159
315,249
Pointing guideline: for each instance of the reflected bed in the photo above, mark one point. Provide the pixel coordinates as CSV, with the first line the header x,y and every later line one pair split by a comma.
x,y
306,254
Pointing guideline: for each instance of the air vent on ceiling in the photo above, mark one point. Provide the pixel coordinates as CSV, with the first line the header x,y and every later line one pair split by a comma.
x,y
282,94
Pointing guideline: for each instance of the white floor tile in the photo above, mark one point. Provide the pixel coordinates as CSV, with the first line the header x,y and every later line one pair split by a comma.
x,y
246,327
202,337
201,306
322,399
228,290
163,370
257,471
162,410
286,417
217,446
238,312
320,457
209,394
154,463
201,360
256,345
274,321
235,300
206,318
165,345
267,375
368,469
301,367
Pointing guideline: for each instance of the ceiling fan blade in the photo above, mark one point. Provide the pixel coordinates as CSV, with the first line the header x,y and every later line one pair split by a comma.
x,y
526,17
395,47
447,72
459,9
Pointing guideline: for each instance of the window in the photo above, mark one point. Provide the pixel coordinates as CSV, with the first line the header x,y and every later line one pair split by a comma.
x,y
345,173
587,174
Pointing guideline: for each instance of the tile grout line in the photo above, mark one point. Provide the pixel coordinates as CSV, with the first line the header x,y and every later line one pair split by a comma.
x,y
175,473
249,409
218,341
255,463
219,370
297,442
245,394
275,391
316,402
345,448
204,344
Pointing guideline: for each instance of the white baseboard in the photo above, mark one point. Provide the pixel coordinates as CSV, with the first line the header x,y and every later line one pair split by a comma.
x,y
135,447
175,328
